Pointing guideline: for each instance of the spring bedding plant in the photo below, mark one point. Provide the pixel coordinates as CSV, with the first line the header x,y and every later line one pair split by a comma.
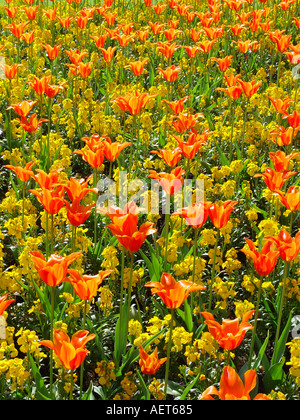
x,y
149,200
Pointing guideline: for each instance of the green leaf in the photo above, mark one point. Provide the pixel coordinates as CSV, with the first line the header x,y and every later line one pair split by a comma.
x,y
41,391
261,358
120,342
281,345
88,395
274,376
189,387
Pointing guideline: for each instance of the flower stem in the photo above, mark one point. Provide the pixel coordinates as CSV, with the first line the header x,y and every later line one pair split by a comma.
x,y
255,322
213,273
167,220
169,353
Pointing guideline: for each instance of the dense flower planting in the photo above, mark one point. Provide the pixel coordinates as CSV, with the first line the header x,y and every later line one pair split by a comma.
x,y
190,291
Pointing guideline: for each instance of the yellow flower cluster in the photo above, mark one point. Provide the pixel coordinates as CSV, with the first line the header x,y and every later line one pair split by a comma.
x,y
294,347
106,373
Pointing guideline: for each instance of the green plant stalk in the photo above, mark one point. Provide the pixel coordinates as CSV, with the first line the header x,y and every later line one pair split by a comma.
x,y
285,276
194,267
129,291
213,273
122,291
169,353
255,322
72,386
51,336
82,364
167,220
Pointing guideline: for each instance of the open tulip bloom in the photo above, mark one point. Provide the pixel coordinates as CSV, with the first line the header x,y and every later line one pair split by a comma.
x,y
171,292
71,352
231,332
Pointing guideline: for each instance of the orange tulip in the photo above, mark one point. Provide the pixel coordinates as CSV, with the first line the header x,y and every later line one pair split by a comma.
x,y
28,37
33,124
94,159
76,56
17,29
22,173
283,136
206,46
77,213
281,161
52,201
126,230
265,260
54,271
233,388
223,63
156,27
95,142
184,121
133,102
288,247
231,333
108,53
250,88
52,51
281,105
10,71
234,92
123,39
86,287
71,352
275,180
4,303
31,11
176,106
99,40
290,199
47,181
112,150
40,85
65,22
167,50
190,148
114,211
150,363
23,108
195,215
173,293
172,182
137,67
170,157
170,74
282,42
11,11
293,120
220,213
78,188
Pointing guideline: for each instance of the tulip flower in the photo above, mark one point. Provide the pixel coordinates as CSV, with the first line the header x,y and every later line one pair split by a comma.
x,y
52,52
23,108
4,303
287,246
47,181
264,260
78,188
290,199
170,74
223,63
173,293
133,102
86,286
94,159
114,211
23,174
281,105
137,67
108,53
275,180
170,157
76,56
52,201
10,71
195,215
53,271
71,352
231,332
17,29
112,150
281,161
150,363
31,125
250,88
176,106
125,229
220,213
78,213
283,136
172,182
233,388
40,85
184,121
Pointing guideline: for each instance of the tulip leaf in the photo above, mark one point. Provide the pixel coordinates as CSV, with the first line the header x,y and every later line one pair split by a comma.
x,y
281,345
121,339
41,391
189,387
274,376
261,358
